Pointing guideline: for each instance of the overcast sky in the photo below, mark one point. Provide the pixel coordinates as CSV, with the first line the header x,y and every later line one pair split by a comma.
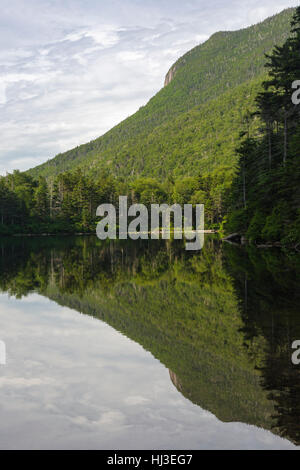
x,y
72,69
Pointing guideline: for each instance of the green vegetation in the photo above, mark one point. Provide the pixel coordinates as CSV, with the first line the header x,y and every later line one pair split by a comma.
x,y
68,203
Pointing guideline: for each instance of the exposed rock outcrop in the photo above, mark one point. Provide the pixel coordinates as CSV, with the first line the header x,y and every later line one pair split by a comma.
x,y
170,75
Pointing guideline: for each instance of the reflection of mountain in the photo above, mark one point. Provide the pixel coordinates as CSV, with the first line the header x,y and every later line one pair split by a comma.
x,y
228,351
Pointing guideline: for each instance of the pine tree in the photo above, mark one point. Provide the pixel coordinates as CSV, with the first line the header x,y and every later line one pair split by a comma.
x,y
41,208
283,66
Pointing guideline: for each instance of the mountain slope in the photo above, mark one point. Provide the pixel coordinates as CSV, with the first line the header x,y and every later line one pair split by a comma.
x,y
199,84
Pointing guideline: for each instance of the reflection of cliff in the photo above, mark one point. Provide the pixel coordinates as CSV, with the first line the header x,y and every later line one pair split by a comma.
x,y
175,381
183,308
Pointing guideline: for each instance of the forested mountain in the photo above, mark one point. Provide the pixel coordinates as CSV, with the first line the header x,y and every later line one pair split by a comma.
x,y
195,118
222,132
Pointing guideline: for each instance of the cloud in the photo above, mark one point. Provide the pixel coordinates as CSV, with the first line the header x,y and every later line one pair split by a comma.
x,y
2,93
69,71
21,382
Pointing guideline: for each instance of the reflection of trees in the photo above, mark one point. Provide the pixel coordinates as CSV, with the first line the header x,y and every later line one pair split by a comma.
x,y
221,320
267,284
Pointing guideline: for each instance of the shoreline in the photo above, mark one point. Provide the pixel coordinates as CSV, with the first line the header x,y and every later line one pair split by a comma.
x,y
72,234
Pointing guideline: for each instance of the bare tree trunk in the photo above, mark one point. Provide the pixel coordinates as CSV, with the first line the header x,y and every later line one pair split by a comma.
x,y
244,186
270,147
51,197
285,139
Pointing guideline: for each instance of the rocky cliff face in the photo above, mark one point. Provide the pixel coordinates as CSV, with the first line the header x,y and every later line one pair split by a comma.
x,y
170,75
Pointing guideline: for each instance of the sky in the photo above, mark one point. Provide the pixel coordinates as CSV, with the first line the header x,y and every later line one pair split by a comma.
x,y
72,69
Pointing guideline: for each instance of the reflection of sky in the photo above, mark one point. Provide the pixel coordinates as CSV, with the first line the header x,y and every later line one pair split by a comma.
x,y
71,381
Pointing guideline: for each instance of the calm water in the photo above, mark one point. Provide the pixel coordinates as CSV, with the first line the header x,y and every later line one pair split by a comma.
x,y
143,346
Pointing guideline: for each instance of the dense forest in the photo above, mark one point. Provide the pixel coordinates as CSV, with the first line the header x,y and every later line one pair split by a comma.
x,y
266,192
67,203
224,132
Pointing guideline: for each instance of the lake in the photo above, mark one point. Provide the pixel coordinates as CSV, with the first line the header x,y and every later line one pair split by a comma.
x,y
143,345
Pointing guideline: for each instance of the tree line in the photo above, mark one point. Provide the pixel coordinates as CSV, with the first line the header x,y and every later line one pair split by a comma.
x,y
67,203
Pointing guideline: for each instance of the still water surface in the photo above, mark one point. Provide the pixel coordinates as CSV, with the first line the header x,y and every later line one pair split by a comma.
x,y
144,346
